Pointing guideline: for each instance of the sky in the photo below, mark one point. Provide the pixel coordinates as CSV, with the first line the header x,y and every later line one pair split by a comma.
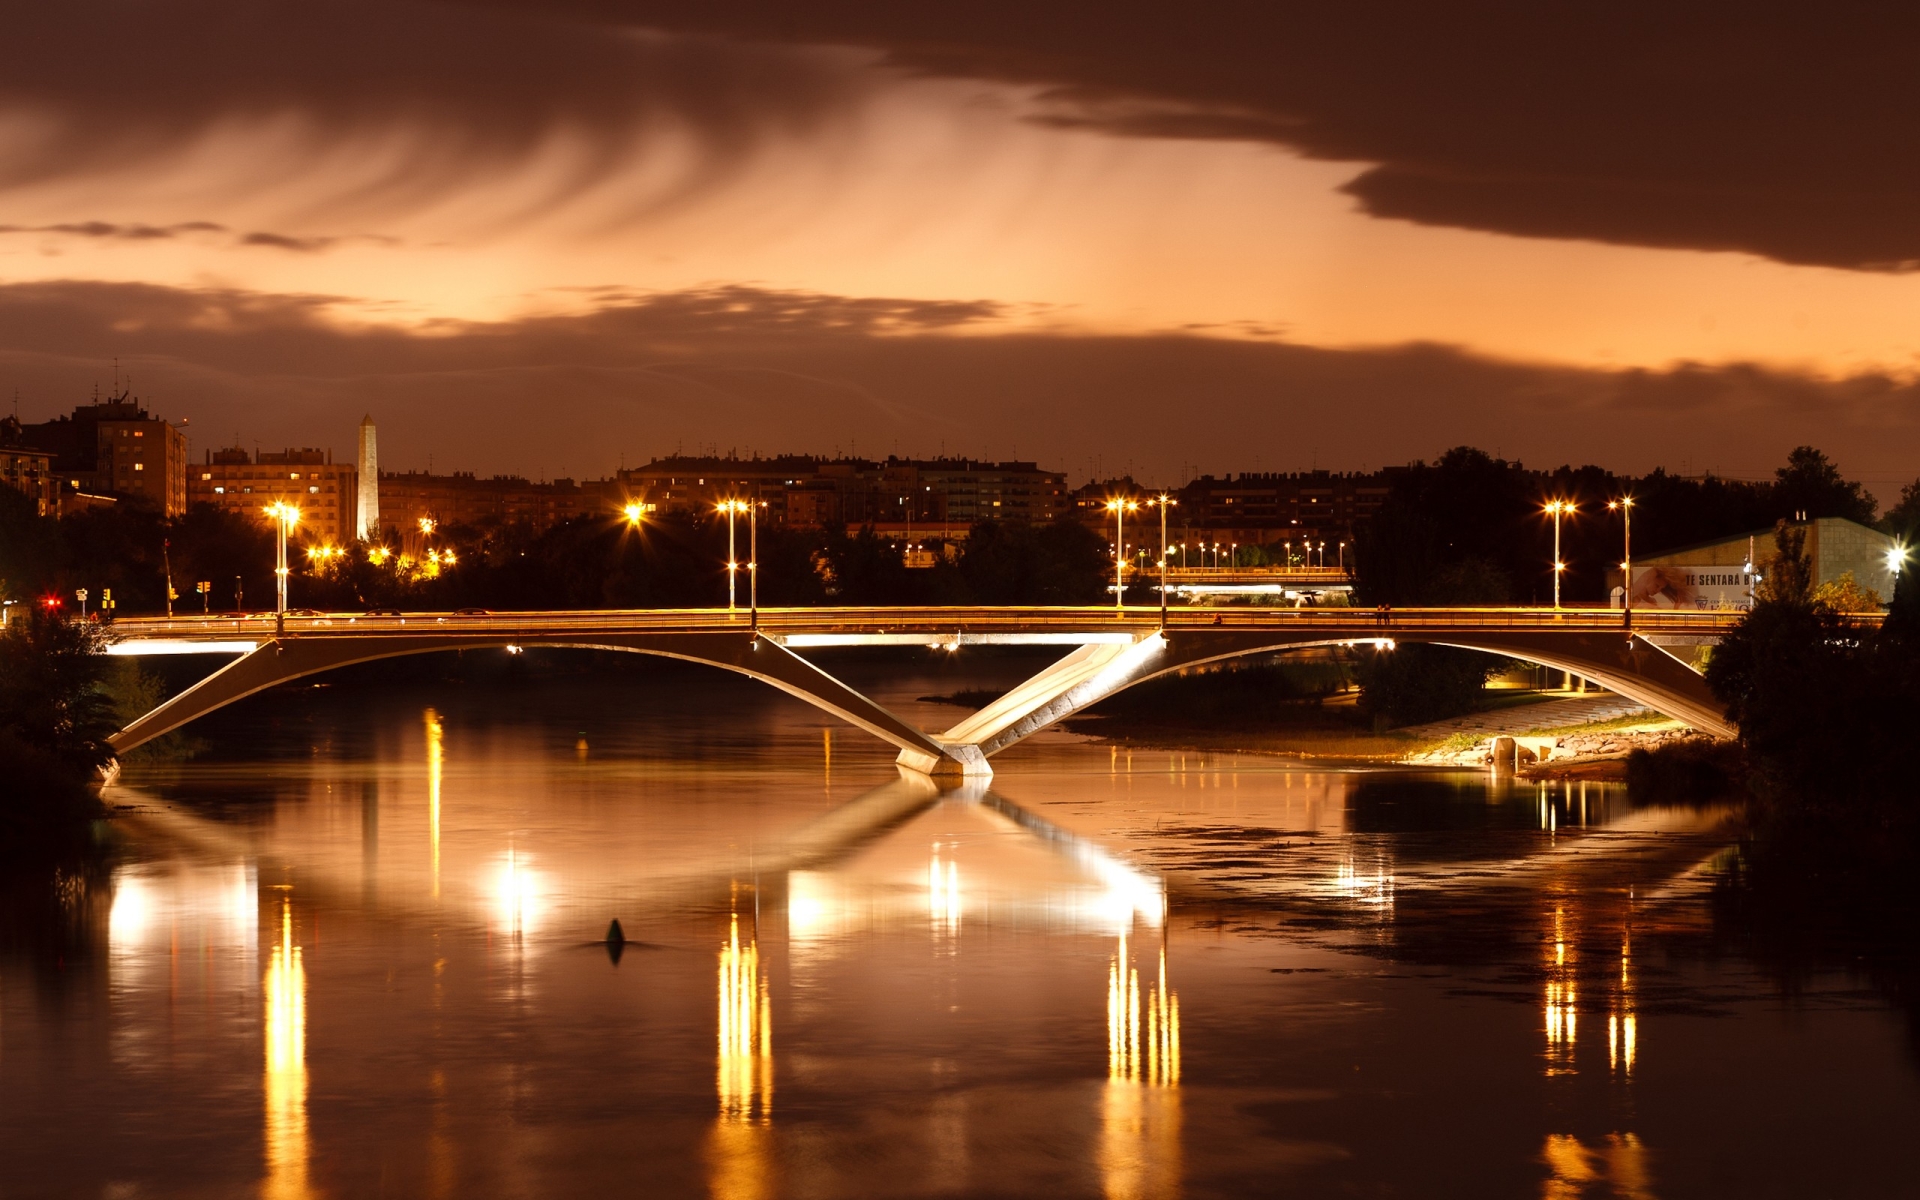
x,y
552,238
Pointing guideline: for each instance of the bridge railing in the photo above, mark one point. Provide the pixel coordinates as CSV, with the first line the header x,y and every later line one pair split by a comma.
x,y
1361,623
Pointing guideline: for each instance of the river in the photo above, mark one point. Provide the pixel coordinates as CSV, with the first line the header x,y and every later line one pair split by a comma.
x,y
357,947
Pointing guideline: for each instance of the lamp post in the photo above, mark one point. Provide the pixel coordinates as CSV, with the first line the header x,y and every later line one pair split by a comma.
x,y
285,517
1624,506
1119,506
732,508
1557,509
1165,502
753,562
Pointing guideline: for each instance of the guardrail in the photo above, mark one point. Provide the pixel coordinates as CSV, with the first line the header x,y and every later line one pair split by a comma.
x,y
1362,623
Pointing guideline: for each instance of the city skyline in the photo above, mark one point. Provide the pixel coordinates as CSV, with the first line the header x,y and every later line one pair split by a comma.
x,y
534,235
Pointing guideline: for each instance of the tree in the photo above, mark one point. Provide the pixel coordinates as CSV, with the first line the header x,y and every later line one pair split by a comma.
x,y
55,717
1017,563
1413,683
1846,595
1786,577
1810,484
1902,521
1465,518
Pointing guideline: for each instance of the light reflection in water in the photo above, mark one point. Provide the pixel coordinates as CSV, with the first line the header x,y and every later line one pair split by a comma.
x,y
746,1033
943,893
1562,1016
1622,1026
1140,1107
286,1067
518,891
1615,1165
435,757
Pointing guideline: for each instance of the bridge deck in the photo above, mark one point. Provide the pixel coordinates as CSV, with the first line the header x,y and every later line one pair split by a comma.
x,y
1058,625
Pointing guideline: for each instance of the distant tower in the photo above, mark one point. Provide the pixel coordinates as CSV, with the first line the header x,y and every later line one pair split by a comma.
x,y
369,464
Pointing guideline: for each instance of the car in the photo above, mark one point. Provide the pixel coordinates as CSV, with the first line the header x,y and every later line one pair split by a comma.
x,y
303,612
383,612
471,612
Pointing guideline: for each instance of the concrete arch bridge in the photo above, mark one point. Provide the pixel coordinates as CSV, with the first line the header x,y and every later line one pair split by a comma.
x,y
1104,651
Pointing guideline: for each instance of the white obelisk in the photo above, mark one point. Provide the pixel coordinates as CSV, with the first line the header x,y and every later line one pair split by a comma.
x,y
368,524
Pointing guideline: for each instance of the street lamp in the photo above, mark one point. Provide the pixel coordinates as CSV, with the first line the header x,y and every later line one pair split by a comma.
x,y
1624,506
1557,509
731,508
753,563
634,511
1164,502
285,517
1119,507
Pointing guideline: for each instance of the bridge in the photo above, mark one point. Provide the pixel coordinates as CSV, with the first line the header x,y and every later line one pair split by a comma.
x,y
1105,650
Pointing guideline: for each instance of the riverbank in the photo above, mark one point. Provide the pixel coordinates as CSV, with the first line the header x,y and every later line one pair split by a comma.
x,y
1570,735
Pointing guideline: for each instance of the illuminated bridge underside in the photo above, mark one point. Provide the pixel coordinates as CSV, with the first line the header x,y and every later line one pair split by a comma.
x,y
1108,654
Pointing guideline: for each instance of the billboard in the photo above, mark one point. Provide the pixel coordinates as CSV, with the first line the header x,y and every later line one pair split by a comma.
x,y
1693,587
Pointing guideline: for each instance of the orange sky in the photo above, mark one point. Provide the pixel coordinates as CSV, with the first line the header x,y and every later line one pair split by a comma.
x,y
876,181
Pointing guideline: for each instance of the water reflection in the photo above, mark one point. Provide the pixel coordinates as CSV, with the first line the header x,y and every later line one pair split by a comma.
x,y
745,1032
1140,1115
1622,1025
435,758
286,1068
943,894
518,894
1563,1016
1615,1165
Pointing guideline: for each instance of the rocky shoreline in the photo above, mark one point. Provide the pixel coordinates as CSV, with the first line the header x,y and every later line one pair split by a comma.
x,y
1591,755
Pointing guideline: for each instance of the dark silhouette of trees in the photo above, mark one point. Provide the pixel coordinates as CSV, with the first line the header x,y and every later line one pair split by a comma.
x,y
55,718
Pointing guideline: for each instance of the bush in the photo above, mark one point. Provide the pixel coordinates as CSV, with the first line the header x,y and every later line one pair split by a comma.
x,y
1415,683
55,718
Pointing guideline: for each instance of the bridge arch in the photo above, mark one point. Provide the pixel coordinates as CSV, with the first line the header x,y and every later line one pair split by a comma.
x,y
742,652
1618,661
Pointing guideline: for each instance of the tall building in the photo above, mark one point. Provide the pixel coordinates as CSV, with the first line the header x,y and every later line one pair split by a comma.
x,y
367,525
117,448
323,490
27,470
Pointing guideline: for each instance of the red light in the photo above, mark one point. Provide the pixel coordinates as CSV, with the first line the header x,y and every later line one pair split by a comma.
x,y
52,602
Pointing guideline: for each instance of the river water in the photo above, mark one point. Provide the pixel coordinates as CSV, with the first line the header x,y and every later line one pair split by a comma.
x,y
356,947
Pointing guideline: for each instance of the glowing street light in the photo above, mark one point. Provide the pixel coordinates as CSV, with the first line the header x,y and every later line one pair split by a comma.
x,y
1119,507
1624,506
1557,509
285,517
732,508
1164,502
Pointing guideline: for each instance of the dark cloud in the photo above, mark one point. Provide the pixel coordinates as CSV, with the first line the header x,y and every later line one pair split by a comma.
x,y
744,369
1785,130
107,229
92,84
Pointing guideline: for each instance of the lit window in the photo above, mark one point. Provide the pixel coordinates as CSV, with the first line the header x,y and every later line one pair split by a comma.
x,y
207,475
139,466
219,491
295,475
314,490
139,433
